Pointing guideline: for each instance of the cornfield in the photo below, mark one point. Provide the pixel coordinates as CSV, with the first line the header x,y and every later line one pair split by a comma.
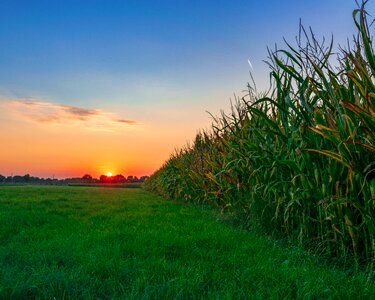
x,y
300,159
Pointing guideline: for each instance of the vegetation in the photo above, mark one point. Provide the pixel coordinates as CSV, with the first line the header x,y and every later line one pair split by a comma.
x,y
299,160
74,243
85,179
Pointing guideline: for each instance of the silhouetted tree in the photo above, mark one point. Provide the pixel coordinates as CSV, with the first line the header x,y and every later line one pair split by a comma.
x,y
118,178
104,179
75,180
87,178
17,179
144,178
26,178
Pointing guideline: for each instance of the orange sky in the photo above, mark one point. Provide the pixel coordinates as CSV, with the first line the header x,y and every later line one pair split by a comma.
x,y
47,139
116,86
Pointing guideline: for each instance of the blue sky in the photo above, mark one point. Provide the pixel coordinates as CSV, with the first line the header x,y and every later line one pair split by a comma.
x,y
91,51
160,63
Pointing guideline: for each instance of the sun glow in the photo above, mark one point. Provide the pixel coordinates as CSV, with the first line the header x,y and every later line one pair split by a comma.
x,y
109,174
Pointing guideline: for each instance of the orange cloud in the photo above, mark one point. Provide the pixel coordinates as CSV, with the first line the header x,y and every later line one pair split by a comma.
x,y
49,112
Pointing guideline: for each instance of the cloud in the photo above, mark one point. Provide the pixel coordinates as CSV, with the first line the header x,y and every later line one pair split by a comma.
x,y
79,113
49,112
130,122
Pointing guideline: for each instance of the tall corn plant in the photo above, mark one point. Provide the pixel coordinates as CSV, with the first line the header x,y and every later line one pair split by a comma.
x,y
300,160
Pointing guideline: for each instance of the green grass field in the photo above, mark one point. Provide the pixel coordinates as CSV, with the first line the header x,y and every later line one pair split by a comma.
x,y
98,243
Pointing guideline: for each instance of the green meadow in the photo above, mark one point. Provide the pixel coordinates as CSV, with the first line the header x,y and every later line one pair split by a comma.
x,y
103,243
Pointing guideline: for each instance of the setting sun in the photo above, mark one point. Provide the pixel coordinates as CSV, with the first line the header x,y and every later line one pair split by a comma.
x,y
109,174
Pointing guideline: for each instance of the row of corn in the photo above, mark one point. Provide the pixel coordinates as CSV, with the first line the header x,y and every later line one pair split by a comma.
x,y
300,159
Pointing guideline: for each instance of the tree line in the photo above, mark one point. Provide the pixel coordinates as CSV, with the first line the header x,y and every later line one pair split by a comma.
x,y
85,179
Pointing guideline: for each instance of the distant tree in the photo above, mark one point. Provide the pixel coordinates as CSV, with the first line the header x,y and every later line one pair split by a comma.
x,y
17,179
104,179
118,178
86,178
144,178
112,179
26,178
37,180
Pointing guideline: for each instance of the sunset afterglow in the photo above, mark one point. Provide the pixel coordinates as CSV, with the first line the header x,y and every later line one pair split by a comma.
x,y
87,87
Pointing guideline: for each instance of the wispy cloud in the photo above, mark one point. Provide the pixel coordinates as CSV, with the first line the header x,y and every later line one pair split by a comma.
x,y
126,121
49,112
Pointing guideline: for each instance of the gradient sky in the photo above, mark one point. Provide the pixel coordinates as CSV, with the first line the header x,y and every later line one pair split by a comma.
x,y
98,86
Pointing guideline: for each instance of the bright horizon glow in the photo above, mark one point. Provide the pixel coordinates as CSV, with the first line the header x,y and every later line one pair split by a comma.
x,y
91,86
109,174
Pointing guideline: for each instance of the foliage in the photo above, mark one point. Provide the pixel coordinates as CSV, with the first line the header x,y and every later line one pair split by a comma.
x,y
299,160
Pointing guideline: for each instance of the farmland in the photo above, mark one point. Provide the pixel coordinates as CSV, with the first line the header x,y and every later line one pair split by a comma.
x,y
299,159
86,242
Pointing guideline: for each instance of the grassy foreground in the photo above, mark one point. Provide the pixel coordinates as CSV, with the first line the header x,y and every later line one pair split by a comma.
x,y
80,242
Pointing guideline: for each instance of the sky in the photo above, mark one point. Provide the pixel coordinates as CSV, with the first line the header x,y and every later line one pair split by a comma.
x,y
116,86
